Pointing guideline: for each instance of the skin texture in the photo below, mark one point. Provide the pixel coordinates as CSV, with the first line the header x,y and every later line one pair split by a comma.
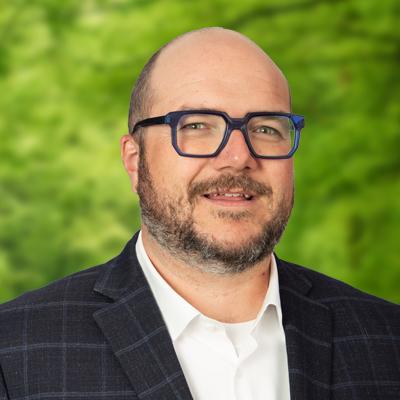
x,y
217,69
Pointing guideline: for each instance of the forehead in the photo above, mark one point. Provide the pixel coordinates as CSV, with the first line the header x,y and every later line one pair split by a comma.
x,y
220,71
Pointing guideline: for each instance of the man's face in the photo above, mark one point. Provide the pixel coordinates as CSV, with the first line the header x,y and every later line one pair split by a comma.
x,y
195,208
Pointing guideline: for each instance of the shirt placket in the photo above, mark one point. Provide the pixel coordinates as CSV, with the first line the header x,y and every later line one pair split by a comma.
x,y
215,337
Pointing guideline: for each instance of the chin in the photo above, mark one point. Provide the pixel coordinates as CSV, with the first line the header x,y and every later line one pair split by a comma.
x,y
231,234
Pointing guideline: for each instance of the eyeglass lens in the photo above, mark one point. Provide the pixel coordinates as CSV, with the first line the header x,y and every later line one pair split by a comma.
x,y
202,134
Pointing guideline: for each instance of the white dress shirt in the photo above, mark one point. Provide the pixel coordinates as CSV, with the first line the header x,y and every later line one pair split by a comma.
x,y
225,361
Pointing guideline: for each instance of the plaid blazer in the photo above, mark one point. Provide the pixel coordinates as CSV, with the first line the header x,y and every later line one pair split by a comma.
x,y
99,334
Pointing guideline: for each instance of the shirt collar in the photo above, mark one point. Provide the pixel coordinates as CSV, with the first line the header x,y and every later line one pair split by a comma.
x,y
177,312
272,297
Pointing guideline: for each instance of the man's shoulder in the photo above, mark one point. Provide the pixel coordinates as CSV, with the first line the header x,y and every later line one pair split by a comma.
x,y
80,287
345,301
76,289
328,290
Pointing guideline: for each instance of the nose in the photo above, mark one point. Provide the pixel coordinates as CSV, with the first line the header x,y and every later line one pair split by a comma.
x,y
236,154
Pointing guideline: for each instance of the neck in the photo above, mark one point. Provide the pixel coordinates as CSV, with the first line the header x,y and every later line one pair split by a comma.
x,y
226,298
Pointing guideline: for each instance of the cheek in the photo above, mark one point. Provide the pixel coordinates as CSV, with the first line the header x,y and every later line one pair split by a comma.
x,y
281,177
171,172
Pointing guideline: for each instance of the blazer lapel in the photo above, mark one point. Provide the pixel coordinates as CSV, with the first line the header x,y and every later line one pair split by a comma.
x,y
134,327
308,330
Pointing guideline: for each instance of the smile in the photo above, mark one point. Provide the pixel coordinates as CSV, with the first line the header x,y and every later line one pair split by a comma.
x,y
229,196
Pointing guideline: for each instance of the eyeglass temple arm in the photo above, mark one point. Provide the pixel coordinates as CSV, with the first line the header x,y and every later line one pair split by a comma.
x,y
150,121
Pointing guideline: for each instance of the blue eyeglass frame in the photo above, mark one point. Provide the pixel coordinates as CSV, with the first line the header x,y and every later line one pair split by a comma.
x,y
173,117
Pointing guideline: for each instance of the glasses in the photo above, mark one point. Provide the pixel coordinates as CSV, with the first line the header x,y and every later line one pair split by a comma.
x,y
204,133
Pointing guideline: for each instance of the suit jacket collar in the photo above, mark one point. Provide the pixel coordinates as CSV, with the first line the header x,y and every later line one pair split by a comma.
x,y
308,329
139,338
134,327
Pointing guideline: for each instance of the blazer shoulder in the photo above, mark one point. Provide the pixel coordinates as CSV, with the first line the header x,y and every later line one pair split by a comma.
x,y
77,287
328,289
61,310
346,302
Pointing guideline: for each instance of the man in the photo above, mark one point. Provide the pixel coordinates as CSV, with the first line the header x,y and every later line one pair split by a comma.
x,y
197,305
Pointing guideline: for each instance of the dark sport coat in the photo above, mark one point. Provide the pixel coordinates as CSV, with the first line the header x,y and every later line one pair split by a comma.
x,y
99,334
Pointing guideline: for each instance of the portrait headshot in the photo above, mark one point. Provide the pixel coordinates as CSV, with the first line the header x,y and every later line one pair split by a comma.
x,y
199,303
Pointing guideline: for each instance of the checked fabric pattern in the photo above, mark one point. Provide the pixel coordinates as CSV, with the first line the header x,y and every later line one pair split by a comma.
x,y
99,334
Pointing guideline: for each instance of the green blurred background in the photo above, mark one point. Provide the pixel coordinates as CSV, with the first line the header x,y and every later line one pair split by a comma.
x,y
66,72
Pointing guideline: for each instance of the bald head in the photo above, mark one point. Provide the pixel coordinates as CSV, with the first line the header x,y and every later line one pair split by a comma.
x,y
225,59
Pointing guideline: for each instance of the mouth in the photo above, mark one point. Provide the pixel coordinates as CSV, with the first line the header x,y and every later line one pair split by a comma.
x,y
230,196
230,191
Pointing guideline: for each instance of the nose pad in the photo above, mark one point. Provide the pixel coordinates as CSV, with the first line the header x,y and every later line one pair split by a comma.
x,y
237,126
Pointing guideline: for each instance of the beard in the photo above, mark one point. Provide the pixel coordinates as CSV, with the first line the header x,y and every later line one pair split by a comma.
x,y
170,222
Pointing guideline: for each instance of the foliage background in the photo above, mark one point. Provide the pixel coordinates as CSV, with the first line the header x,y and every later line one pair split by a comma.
x,y
66,71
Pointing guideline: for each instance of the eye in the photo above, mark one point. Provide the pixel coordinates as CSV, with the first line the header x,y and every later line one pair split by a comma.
x,y
194,125
266,130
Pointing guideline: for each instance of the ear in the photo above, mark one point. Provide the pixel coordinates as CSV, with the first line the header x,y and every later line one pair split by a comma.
x,y
130,158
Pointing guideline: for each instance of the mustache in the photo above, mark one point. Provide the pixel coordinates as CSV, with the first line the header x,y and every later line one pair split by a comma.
x,y
228,182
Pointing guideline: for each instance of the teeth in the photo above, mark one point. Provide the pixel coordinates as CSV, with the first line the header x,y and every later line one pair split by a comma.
x,y
246,196
233,195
